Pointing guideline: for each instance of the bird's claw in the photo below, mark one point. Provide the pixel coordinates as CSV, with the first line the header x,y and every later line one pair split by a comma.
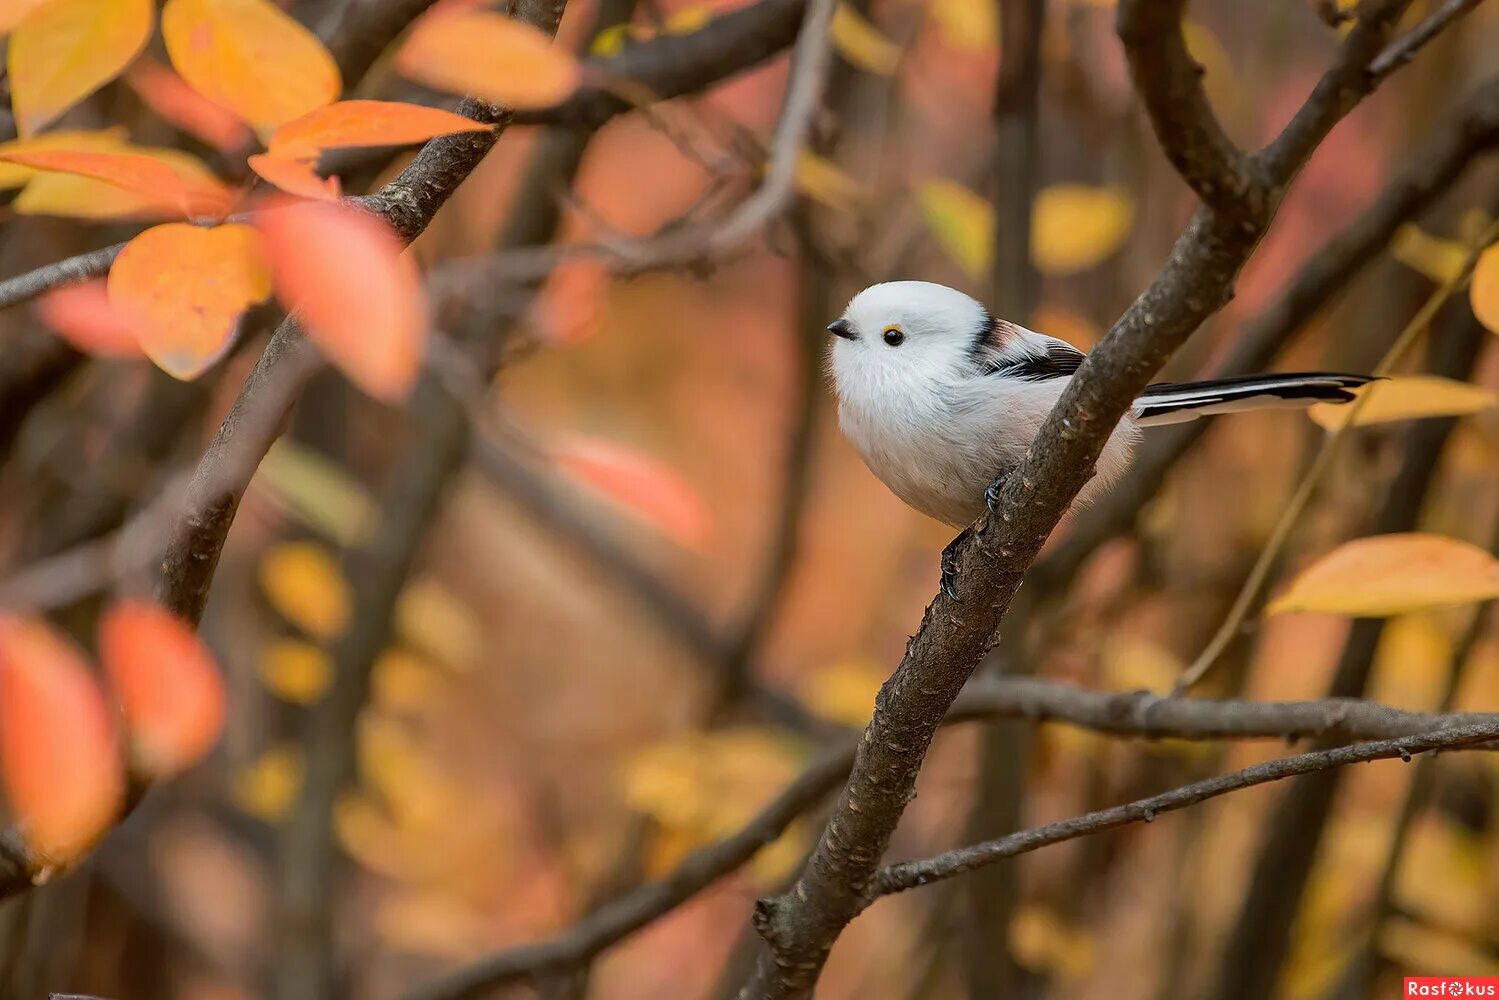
x,y
950,566
992,491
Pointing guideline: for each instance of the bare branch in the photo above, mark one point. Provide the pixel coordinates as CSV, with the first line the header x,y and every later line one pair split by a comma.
x,y
85,266
910,874
1404,49
1169,81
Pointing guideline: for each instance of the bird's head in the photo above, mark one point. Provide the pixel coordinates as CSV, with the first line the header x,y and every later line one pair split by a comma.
x,y
907,331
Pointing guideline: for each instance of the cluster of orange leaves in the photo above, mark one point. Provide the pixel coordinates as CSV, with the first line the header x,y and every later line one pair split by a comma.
x,y
61,755
242,69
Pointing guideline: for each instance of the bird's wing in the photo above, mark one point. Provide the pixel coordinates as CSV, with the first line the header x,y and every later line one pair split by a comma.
x,y
1173,402
1033,357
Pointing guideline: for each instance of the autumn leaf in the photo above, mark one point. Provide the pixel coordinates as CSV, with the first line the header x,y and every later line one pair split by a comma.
x,y
1075,227
344,275
430,619
640,484
570,307
295,671
365,123
962,221
862,44
843,692
250,57
59,755
1391,574
1408,397
170,688
268,786
297,177
1440,260
186,288
821,180
1483,293
83,316
966,24
496,57
150,177
64,50
77,196
320,494
14,175
167,94
13,12
305,585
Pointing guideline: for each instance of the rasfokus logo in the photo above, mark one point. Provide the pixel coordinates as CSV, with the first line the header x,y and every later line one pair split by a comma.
x,y
1451,986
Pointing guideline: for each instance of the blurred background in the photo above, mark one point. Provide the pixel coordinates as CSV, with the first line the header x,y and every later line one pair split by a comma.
x,y
614,653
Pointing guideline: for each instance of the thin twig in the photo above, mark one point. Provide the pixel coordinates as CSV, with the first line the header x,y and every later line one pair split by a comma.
x,y
1404,49
910,874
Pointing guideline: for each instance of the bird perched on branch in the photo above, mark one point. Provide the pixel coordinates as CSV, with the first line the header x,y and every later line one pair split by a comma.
x,y
942,399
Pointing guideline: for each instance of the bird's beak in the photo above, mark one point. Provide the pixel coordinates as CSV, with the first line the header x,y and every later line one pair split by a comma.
x,y
842,328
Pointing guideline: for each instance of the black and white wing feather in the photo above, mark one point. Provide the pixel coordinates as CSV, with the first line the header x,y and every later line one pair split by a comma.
x,y
1175,402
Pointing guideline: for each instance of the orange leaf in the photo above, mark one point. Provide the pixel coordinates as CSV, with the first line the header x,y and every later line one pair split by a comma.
x,y
138,174
186,287
12,12
485,53
169,687
64,50
342,271
58,752
570,306
250,57
1483,293
365,123
295,177
84,317
13,175
167,94
640,484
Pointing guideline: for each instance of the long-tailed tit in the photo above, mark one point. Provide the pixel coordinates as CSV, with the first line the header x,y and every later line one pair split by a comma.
x,y
942,399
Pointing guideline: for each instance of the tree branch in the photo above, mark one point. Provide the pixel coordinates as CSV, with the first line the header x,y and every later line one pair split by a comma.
x,y
1406,46
1169,81
800,926
910,874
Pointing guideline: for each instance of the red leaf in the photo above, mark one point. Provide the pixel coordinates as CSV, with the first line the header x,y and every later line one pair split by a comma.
x,y
167,94
59,756
84,317
295,177
639,483
169,687
193,196
344,274
365,123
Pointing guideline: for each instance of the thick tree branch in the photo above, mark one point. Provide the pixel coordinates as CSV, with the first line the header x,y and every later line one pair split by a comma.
x,y
910,874
801,926
1169,81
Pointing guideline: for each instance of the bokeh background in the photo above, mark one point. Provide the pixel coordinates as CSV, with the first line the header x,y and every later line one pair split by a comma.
x,y
582,690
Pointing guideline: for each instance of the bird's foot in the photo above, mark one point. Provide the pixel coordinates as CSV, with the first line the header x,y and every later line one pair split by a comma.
x,y
950,564
992,491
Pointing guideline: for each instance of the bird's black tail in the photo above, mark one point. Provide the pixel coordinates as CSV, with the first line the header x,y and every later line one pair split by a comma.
x,y
1174,402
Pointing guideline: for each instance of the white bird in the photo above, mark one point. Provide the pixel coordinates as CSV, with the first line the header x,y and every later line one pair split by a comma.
x,y
942,399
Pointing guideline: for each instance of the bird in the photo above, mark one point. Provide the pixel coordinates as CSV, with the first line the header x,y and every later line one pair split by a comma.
x,y
942,399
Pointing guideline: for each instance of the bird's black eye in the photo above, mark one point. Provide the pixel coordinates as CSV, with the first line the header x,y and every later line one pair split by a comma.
x,y
893,336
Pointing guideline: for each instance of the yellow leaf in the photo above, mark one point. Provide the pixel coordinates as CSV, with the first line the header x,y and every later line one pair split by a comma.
x,y
822,181
1440,260
862,44
403,681
610,41
1391,574
295,671
486,53
64,50
365,832
1044,942
12,12
249,57
1140,664
305,585
431,620
267,788
13,175
185,287
1075,227
319,494
687,20
962,222
844,692
1484,291
967,24
1409,397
